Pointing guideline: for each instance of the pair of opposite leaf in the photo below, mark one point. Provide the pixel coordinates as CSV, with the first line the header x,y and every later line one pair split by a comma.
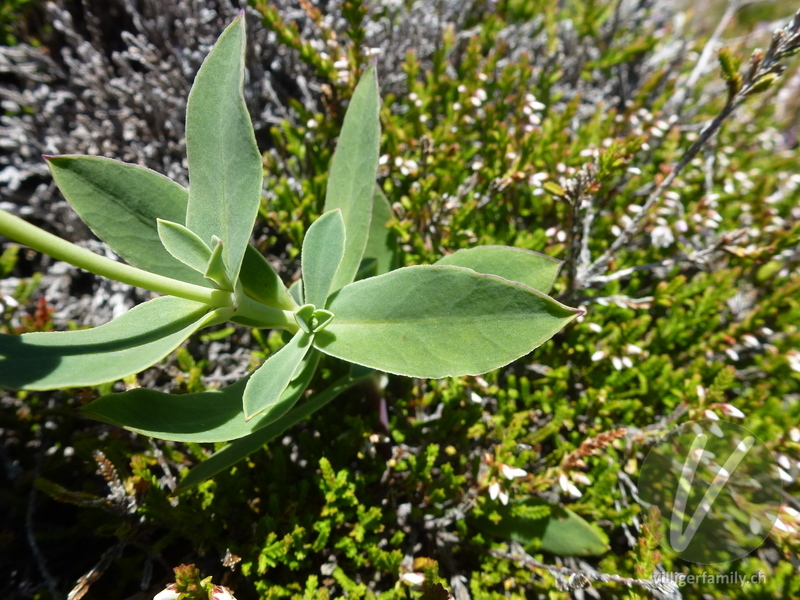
x,y
474,311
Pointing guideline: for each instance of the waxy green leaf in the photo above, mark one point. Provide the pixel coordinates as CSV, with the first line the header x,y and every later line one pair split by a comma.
x,y
215,270
121,203
535,270
382,242
296,291
538,525
323,249
439,321
241,448
128,344
225,170
211,416
267,385
184,245
351,182
261,282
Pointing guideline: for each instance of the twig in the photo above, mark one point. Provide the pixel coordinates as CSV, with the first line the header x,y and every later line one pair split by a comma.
x,y
84,583
762,70
570,579
695,257
41,561
708,50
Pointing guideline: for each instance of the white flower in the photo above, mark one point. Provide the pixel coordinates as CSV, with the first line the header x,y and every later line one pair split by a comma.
x,y
580,477
730,411
568,487
793,356
599,355
661,236
785,477
220,592
494,490
781,526
413,578
168,593
512,472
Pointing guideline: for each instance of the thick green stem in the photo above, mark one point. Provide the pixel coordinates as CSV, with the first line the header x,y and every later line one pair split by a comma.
x,y
255,314
23,232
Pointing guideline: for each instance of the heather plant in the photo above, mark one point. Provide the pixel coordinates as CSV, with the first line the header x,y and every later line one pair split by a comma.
x,y
527,124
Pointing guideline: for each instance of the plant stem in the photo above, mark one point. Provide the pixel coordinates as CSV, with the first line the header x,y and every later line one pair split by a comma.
x,y
23,232
255,314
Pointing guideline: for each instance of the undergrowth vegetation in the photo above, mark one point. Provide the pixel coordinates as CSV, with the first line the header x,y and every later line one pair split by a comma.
x,y
662,170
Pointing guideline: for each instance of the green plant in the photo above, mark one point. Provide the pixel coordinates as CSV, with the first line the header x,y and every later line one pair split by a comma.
x,y
471,312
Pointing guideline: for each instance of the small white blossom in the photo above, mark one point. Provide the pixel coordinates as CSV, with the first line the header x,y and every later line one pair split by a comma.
x,y
568,487
580,477
633,349
220,592
413,578
711,415
791,512
730,411
168,593
599,355
661,236
781,526
793,356
750,341
785,477
512,472
494,490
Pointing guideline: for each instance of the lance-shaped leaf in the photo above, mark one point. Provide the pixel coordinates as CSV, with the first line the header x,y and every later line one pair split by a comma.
x,y
323,248
261,282
225,171
351,182
296,292
128,344
211,416
215,270
535,270
538,525
439,321
267,385
382,242
241,448
184,244
121,203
